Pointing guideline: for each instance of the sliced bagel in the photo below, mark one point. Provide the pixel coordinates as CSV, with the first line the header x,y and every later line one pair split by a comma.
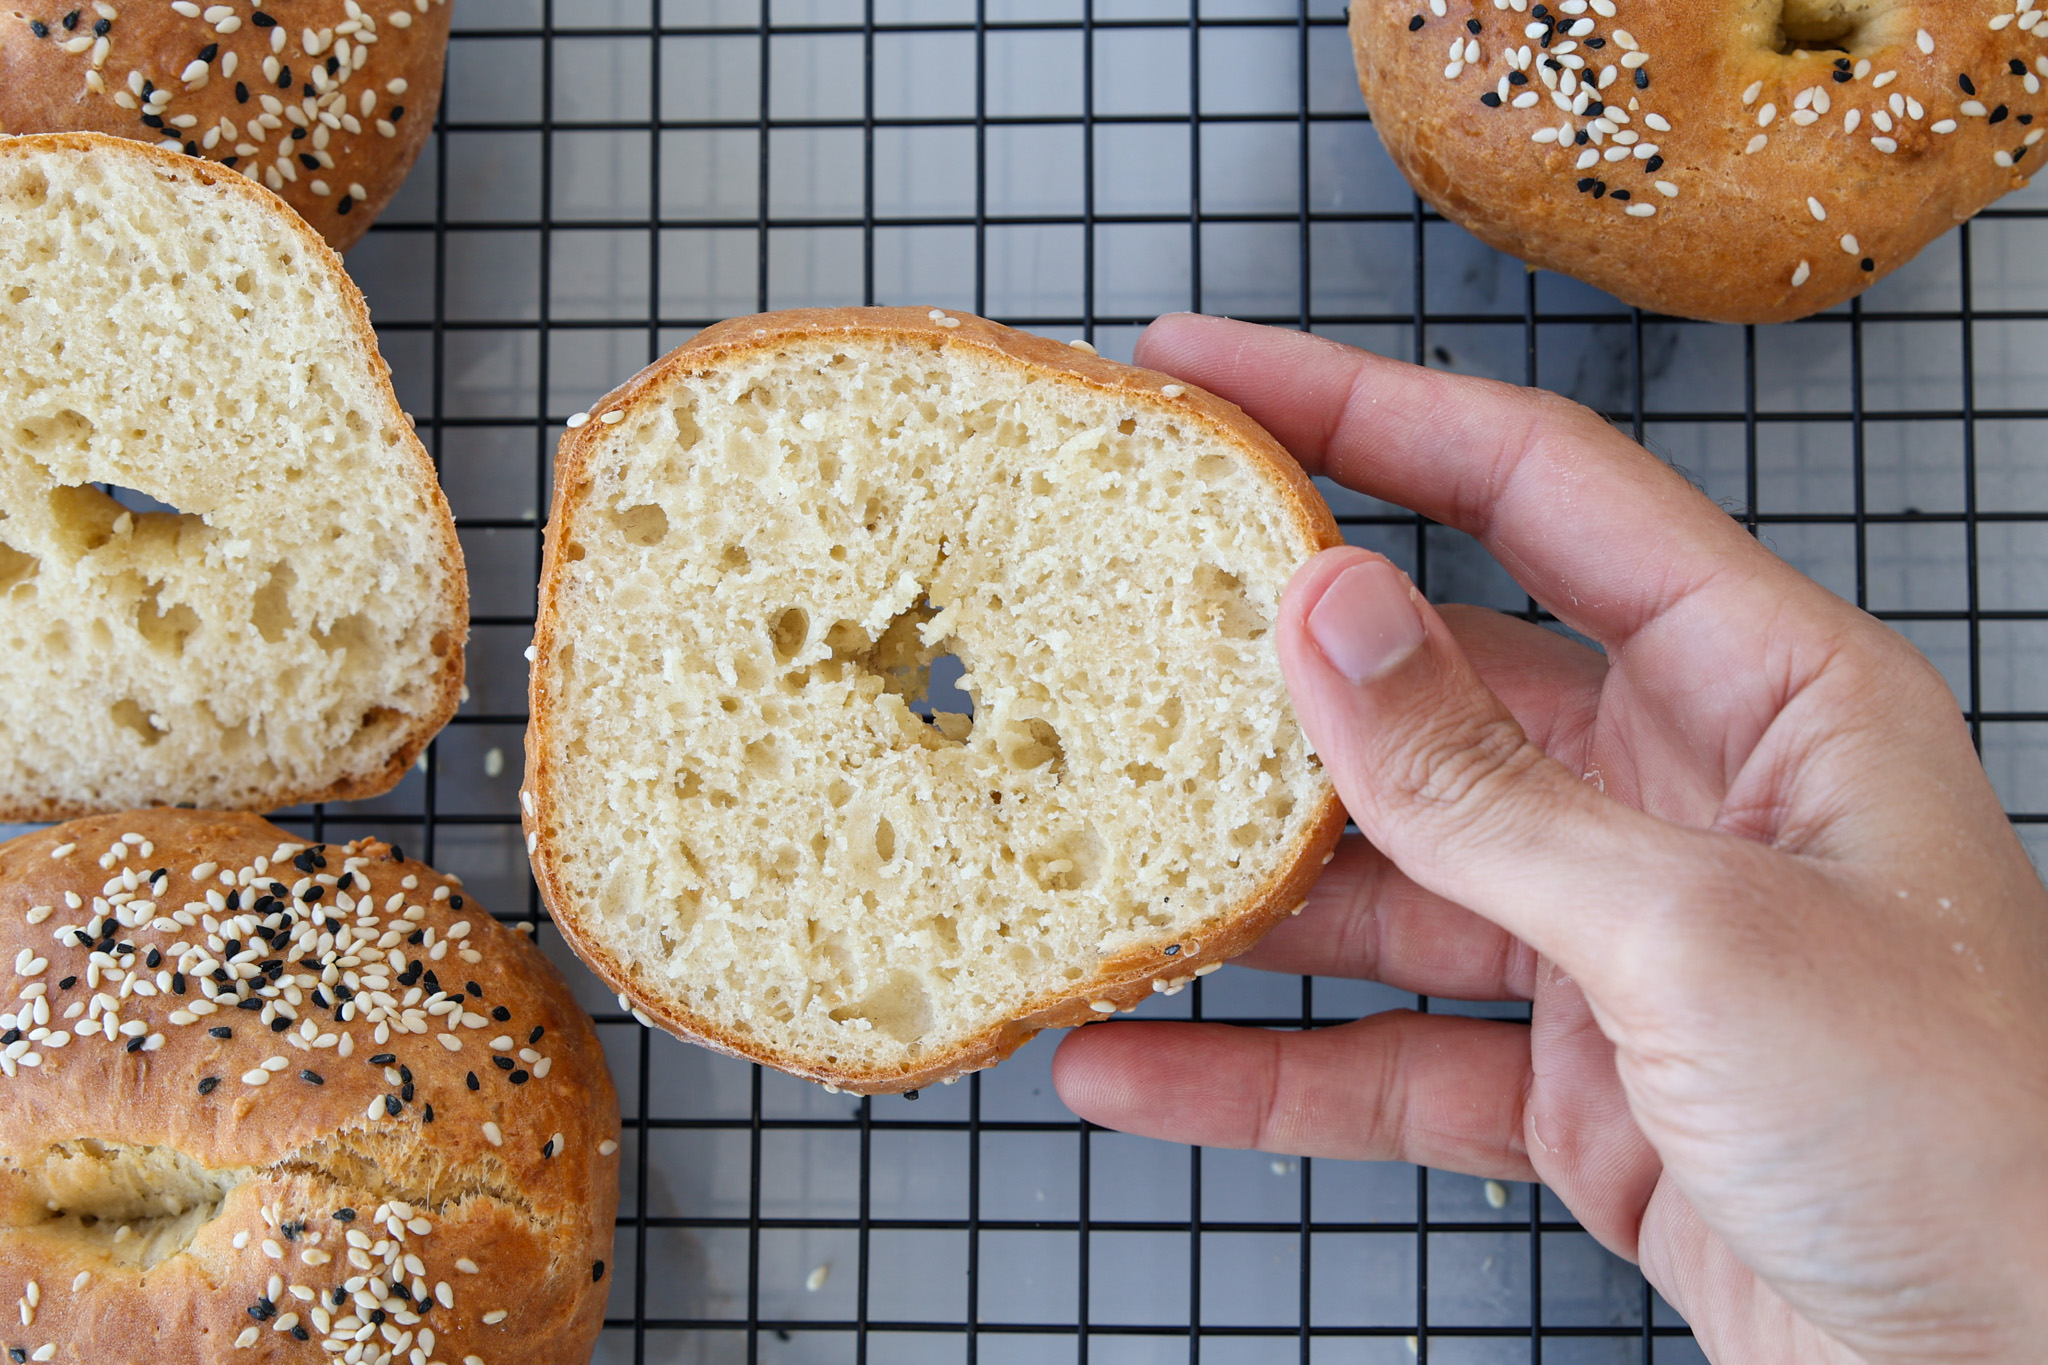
x,y
758,549
287,624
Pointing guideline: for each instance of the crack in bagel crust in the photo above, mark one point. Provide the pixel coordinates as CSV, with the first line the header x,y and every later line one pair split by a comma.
x,y
1810,146
299,1101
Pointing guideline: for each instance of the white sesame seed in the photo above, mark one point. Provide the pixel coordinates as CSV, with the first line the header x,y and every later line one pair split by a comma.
x,y
1850,246
494,1317
1171,391
577,419
1208,968
492,1135
607,1147
2002,157
466,1266
1926,41
1667,189
46,1351
1103,1006
1750,95
1947,125
451,1042
1885,144
1852,120
81,1280
247,1339
63,850
272,1250
1756,144
1083,347
614,417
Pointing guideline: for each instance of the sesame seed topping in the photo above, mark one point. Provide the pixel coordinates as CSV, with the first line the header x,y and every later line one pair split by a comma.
x,y
613,418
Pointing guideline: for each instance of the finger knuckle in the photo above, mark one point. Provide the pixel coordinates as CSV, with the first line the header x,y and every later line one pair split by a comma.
x,y
1468,763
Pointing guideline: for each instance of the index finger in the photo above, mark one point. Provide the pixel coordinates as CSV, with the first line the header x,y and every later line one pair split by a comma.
x,y
1601,532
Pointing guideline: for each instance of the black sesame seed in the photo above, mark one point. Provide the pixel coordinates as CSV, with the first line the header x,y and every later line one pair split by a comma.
x,y
300,1334
1599,189
1642,78
135,1043
397,854
1868,265
1621,194
1582,139
67,983
311,163
427,1115
155,958
321,1000
148,89
1586,184
262,20
304,862
2018,152
473,1083
2000,114
221,1031
344,1216
2017,67
2026,118
392,1106
1596,43
596,1271
41,30
397,113
547,1149
310,91
284,79
1654,164
178,983
538,1033
312,1078
1490,100
1173,950
280,1024
382,1059
1517,78
473,989
99,30
910,1094
377,1315
1843,76
206,1086
313,893
340,1295
333,65
1416,23
152,121
1472,26
500,1013
18,1353
71,20
455,901
12,1035
262,1308
249,1002
417,936
517,1078
502,1063
81,938
405,1092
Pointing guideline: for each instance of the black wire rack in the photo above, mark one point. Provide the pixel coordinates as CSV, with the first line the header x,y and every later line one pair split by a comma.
x,y
608,176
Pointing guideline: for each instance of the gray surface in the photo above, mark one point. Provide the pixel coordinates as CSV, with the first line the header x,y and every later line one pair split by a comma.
x,y
596,270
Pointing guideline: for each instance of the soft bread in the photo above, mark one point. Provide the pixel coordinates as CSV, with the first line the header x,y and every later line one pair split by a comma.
x,y
757,548
1733,160
293,631
327,102
187,1181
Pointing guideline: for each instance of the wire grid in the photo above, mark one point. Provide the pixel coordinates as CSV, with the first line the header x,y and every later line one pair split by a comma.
x,y
608,176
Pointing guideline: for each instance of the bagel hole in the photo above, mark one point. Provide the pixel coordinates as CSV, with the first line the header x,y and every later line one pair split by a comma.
x,y
1822,25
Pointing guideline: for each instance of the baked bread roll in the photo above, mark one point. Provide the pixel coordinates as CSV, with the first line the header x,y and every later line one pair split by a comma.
x,y
293,630
1733,160
327,102
759,547
261,1100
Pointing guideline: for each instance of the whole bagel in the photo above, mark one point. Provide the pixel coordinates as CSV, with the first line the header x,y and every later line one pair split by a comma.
x,y
327,102
1735,161
262,1100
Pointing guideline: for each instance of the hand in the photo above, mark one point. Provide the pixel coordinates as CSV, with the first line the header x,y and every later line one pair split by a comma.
x,y
1788,963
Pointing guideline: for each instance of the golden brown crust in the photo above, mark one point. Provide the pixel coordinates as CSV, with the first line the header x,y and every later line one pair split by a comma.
x,y
1742,152
45,88
454,609
298,1151
1124,981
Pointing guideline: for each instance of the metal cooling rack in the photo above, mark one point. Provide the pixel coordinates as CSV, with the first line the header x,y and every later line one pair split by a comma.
x,y
608,176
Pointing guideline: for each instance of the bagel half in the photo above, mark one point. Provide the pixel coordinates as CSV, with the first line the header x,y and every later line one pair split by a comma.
x,y
1730,160
292,628
758,547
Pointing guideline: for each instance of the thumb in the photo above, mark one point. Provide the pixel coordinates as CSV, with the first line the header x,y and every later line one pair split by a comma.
x,y
1436,772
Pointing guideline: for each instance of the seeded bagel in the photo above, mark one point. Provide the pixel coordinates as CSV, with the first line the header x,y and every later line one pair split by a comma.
x,y
290,626
758,549
326,102
1732,160
264,1100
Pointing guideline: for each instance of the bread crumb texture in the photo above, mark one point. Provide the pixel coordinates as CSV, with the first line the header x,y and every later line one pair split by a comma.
x,y
748,808
288,620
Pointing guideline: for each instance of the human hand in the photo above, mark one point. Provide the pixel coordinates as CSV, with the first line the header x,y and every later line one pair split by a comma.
x,y
1788,963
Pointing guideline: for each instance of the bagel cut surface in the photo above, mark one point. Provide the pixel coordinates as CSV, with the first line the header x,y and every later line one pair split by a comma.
x,y
758,549
1728,160
284,620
